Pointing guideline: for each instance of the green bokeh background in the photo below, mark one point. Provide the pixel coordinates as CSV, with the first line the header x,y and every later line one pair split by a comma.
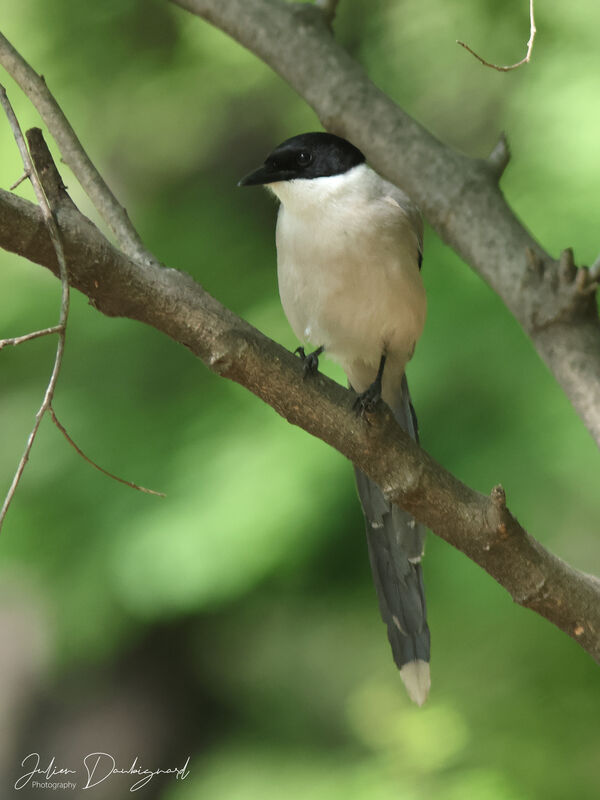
x,y
246,593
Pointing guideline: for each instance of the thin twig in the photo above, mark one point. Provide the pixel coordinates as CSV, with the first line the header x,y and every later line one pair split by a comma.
x,y
595,269
23,177
64,432
17,340
73,153
64,303
527,57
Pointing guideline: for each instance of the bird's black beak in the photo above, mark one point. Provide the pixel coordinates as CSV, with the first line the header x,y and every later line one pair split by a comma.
x,y
268,173
258,177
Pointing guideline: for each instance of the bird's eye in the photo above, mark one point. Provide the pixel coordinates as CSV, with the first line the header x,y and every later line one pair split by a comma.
x,y
303,158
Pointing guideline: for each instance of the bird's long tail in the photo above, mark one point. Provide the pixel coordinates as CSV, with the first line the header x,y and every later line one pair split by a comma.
x,y
395,541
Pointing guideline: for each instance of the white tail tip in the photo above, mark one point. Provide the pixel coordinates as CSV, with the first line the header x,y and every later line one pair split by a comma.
x,y
416,678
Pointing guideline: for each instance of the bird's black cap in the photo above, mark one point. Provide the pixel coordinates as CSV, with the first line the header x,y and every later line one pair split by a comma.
x,y
309,155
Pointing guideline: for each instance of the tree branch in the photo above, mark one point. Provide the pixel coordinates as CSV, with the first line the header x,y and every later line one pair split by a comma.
x,y
170,301
459,196
73,153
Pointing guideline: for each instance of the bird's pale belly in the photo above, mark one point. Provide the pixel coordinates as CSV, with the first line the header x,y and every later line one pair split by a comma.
x,y
355,310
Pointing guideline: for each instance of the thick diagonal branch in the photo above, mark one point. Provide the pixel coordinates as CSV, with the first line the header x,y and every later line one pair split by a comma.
x,y
173,303
458,195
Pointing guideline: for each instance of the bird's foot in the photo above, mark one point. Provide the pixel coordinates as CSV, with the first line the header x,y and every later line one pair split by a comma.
x,y
366,402
310,362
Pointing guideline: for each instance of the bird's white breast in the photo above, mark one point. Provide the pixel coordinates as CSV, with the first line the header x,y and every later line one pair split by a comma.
x,y
347,263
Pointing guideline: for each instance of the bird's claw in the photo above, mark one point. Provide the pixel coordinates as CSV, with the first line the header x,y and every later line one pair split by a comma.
x,y
310,362
366,402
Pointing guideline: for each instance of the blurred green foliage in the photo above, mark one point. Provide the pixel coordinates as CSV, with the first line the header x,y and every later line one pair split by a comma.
x,y
259,539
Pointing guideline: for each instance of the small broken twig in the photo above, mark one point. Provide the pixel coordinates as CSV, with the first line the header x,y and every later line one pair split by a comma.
x,y
524,60
500,156
17,340
18,182
328,7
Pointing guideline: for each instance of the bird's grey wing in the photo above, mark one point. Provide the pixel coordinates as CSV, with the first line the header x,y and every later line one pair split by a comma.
x,y
395,540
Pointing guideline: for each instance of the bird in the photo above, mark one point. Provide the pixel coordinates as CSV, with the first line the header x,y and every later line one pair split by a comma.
x,y
349,253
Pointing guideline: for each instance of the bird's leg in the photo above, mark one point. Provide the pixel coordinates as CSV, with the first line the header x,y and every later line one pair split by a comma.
x,y
366,401
310,361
